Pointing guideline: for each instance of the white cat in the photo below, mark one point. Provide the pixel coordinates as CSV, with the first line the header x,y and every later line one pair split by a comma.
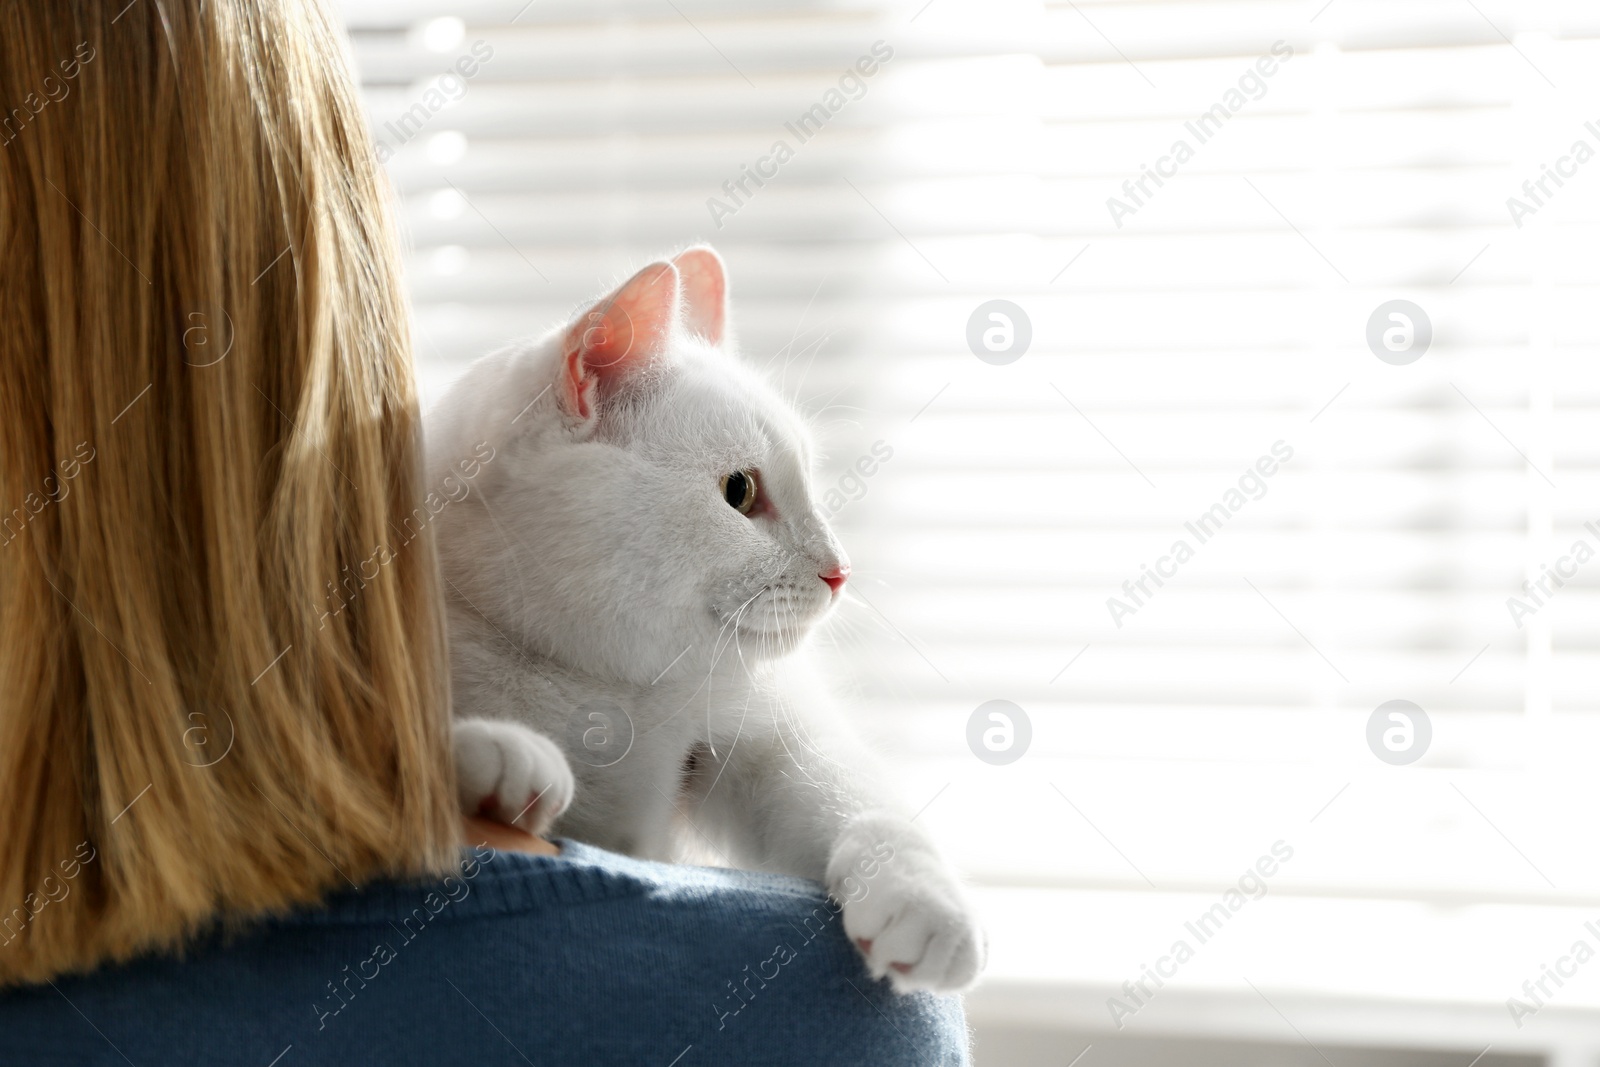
x,y
640,556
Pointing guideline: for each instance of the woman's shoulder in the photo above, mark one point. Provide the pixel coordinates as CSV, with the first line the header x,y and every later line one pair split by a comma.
x,y
491,883
582,957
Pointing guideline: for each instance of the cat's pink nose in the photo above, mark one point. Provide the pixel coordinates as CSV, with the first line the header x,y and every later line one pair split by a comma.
x,y
835,577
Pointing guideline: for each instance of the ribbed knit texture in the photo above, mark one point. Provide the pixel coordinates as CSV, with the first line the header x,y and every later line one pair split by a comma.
x,y
586,959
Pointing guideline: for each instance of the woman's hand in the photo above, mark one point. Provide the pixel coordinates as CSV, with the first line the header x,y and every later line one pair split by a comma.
x,y
498,835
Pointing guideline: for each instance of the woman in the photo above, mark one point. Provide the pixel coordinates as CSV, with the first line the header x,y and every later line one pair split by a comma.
x,y
229,825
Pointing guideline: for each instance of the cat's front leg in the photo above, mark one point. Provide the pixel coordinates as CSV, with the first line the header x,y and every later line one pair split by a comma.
x,y
903,906
510,773
804,799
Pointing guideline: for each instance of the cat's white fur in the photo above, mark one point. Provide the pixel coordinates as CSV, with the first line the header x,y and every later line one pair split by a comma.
x,y
611,614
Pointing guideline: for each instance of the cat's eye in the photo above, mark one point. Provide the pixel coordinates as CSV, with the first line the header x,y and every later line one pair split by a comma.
x,y
739,490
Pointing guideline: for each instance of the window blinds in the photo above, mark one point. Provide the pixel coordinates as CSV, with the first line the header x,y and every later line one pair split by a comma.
x,y
1197,315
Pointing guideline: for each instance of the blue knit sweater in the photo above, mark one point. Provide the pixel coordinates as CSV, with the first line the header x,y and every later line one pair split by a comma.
x,y
586,958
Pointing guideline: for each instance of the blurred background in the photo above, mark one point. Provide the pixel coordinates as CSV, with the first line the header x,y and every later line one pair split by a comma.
x,y
1307,287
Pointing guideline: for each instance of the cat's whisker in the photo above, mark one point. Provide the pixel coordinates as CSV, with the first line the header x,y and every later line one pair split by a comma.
x,y
732,622
819,413
811,362
737,733
788,350
739,648
801,322
806,404
867,610
732,628
718,647
790,717
687,701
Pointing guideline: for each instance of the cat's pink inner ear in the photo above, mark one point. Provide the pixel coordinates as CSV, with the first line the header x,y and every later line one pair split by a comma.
x,y
618,336
705,292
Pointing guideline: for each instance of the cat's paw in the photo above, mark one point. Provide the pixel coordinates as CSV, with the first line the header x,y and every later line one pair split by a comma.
x,y
904,909
511,774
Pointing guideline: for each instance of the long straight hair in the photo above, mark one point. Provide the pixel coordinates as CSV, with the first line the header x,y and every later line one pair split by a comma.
x,y
222,688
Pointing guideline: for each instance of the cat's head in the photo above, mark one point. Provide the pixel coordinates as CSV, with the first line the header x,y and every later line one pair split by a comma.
x,y
650,494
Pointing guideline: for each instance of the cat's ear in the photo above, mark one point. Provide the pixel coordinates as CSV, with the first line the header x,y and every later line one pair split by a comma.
x,y
705,292
617,337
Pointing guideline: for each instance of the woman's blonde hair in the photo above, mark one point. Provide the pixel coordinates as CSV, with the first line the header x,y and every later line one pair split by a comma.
x,y
222,690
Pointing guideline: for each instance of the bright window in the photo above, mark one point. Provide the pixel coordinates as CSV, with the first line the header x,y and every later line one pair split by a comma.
x,y
1309,290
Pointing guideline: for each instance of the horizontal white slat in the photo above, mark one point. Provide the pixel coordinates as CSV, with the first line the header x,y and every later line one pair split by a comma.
x,y
1196,825
367,15
1150,31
